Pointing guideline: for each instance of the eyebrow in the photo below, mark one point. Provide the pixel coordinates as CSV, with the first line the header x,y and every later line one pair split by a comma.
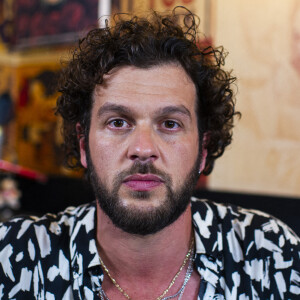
x,y
111,107
174,109
124,110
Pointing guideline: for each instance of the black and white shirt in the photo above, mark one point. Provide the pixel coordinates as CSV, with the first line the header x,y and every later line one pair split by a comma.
x,y
240,254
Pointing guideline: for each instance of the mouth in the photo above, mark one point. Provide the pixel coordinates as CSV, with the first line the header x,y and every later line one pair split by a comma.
x,y
143,182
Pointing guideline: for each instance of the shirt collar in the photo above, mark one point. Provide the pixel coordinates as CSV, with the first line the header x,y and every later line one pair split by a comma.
x,y
208,237
83,248
208,241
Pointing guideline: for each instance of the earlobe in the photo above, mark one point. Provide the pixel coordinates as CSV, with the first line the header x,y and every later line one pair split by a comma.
x,y
82,145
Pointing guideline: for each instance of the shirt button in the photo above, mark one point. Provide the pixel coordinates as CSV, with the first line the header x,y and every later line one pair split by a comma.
x,y
75,271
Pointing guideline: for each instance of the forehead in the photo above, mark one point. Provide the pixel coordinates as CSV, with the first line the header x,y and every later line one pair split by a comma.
x,y
149,88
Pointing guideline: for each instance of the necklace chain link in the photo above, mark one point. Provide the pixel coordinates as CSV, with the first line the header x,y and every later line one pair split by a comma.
x,y
161,297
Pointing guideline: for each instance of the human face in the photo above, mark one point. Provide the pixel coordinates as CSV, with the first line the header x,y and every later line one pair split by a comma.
x,y
143,145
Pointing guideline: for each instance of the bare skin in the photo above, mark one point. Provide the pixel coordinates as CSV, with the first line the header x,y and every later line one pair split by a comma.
x,y
148,130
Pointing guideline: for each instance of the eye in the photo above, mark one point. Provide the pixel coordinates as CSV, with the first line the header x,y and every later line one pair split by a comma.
x,y
118,123
169,124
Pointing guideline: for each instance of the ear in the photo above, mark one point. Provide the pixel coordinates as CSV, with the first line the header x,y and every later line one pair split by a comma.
x,y
203,151
82,145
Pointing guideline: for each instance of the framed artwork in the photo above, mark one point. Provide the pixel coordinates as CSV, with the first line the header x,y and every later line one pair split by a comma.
x,y
27,23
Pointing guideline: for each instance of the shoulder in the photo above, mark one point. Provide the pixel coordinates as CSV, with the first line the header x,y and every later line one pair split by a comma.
x,y
258,247
243,222
36,251
21,228
30,239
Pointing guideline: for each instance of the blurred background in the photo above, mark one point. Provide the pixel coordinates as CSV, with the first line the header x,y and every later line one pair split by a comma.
x,y
261,169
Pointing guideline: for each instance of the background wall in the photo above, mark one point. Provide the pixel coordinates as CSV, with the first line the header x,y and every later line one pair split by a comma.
x,y
263,39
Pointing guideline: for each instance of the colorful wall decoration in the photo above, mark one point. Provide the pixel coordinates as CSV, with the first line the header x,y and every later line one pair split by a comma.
x,y
38,134
27,23
33,139
7,114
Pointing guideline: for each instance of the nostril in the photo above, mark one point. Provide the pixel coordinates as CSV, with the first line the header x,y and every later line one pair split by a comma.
x,y
143,159
134,157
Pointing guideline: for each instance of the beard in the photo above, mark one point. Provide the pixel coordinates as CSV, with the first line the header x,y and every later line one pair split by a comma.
x,y
130,218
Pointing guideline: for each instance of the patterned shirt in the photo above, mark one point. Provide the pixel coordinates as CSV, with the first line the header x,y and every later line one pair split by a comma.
x,y
240,254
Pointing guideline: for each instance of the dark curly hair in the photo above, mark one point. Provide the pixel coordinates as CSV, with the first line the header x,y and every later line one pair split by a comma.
x,y
144,42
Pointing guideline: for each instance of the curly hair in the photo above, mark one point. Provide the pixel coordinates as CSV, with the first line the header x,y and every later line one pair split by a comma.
x,y
144,42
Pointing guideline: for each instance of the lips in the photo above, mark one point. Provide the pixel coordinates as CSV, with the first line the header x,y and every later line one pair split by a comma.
x,y
140,182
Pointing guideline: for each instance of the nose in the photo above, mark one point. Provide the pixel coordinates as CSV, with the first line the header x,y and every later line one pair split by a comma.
x,y
142,145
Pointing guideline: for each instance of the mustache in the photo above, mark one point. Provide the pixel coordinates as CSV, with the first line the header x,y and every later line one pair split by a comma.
x,y
142,168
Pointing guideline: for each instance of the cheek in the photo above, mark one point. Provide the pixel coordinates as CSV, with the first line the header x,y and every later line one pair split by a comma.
x,y
183,156
103,155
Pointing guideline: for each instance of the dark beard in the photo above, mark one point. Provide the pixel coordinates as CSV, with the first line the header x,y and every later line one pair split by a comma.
x,y
143,222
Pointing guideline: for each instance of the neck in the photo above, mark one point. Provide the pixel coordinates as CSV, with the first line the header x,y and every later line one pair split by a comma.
x,y
144,257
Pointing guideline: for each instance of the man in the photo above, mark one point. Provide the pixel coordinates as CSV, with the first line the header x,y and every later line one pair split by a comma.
x,y
145,111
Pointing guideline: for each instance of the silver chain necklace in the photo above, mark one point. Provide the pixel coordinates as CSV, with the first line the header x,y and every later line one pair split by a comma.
x,y
178,294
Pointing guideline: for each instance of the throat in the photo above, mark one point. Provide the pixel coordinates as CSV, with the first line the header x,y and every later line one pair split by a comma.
x,y
174,289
